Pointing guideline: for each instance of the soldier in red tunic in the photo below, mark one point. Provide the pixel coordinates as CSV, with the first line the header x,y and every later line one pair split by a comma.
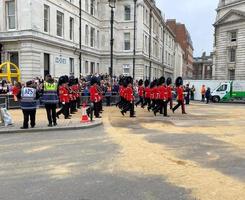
x,y
95,97
140,93
147,94
63,97
180,95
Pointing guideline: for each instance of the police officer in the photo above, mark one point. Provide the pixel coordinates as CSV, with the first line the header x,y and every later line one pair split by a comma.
x,y
50,99
28,102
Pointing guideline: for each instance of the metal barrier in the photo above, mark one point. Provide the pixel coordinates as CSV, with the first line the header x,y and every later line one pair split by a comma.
x,y
3,101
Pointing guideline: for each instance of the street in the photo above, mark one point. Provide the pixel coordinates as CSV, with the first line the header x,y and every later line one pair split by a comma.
x,y
199,156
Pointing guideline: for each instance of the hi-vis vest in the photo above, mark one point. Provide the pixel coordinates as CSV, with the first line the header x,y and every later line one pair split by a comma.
x,y
50,95
28,98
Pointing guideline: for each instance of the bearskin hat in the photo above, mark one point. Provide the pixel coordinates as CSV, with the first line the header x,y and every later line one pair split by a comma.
x,y
61,80
93,80
153,84
161,81
76,81
147,83
124,82
179,81
140,83
169,81
130,80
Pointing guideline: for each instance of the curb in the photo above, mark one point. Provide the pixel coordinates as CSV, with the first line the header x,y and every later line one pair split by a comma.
x,y
49,129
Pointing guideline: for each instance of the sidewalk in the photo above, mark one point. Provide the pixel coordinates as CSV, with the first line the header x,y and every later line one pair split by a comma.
x,y
42,122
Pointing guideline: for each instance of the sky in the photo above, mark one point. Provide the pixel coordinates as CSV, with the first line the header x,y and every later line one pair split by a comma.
x,y
197,15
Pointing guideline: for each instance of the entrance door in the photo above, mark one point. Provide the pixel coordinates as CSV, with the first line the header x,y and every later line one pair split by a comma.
x,y
46,64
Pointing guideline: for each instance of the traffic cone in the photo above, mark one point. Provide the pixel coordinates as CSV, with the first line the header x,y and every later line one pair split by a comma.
x,y
84,117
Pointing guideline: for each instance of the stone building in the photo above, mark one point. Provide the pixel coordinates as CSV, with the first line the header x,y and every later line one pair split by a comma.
x,y
202,67
43,36
183,38
229,44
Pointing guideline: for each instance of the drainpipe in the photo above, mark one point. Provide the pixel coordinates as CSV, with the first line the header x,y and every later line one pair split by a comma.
x,y
80,37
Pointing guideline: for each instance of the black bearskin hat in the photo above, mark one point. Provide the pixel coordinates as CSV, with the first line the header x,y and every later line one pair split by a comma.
x,y
161,80
169,81
179,81
130,80
147,83
124,82
93,80
76,81
61,80
140,83
153,84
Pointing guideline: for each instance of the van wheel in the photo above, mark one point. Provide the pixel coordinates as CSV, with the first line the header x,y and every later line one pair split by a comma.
x,y
216,99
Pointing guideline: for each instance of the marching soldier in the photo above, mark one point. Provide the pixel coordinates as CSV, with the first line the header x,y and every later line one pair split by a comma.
x,y
28,102
180,95
147,94
140,93
50,99
64,97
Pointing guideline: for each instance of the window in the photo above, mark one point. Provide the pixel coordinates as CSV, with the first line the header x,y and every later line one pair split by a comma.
x,y
14,57
222,88
126,70
92,67
127,13
46,18
71,28
71,66
233,36
92,37
126,41
46,64
232,55
98,39
10,10
98,68
92,7
86,67
232,74
86,34
60,24
86,5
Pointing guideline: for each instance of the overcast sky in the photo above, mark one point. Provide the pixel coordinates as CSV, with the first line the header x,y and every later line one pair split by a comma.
x,y
197,15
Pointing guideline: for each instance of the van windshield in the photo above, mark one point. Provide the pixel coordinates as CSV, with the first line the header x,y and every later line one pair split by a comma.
x,y
222,88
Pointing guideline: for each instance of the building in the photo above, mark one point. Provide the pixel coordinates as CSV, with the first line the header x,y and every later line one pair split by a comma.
x,y
202,67
179,60
45,36
184,39
229,44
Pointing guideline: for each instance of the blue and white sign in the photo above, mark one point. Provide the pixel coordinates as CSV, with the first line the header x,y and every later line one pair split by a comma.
x,y
61,65
61,60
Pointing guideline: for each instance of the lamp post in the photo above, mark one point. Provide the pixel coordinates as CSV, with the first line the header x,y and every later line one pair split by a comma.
x,y
135,1
112,4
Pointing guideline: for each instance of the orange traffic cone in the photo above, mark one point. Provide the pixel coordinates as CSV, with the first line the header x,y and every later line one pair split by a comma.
x,y
84,117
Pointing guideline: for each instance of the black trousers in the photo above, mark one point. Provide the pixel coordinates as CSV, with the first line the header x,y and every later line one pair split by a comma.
x,y
29,114
129,107
96,109
73,106
187,100
108,101
141,101
180,103
78,101
51,113
64,110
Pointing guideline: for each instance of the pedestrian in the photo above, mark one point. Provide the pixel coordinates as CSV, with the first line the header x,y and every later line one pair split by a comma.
x,y
187,94
50,99
203,91
28,103
180,95
208,95
193,90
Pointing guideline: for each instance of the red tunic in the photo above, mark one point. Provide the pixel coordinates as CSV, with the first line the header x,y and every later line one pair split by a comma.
x,y
129,94
94,95
162,92
141,91
63,94
180,95
169,90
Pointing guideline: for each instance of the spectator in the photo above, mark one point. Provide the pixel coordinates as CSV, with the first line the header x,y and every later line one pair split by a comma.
x,y
193,90
203,91
187,96
208,95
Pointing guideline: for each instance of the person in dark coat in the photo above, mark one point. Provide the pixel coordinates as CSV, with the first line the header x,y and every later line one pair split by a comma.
x,y
208,95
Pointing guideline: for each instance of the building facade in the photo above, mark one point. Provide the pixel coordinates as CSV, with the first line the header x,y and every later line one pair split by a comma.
x,y
183,38
72,37
203,67
229,44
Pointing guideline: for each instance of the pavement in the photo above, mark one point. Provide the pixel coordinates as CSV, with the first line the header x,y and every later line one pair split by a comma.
x,y
199,156
42,122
